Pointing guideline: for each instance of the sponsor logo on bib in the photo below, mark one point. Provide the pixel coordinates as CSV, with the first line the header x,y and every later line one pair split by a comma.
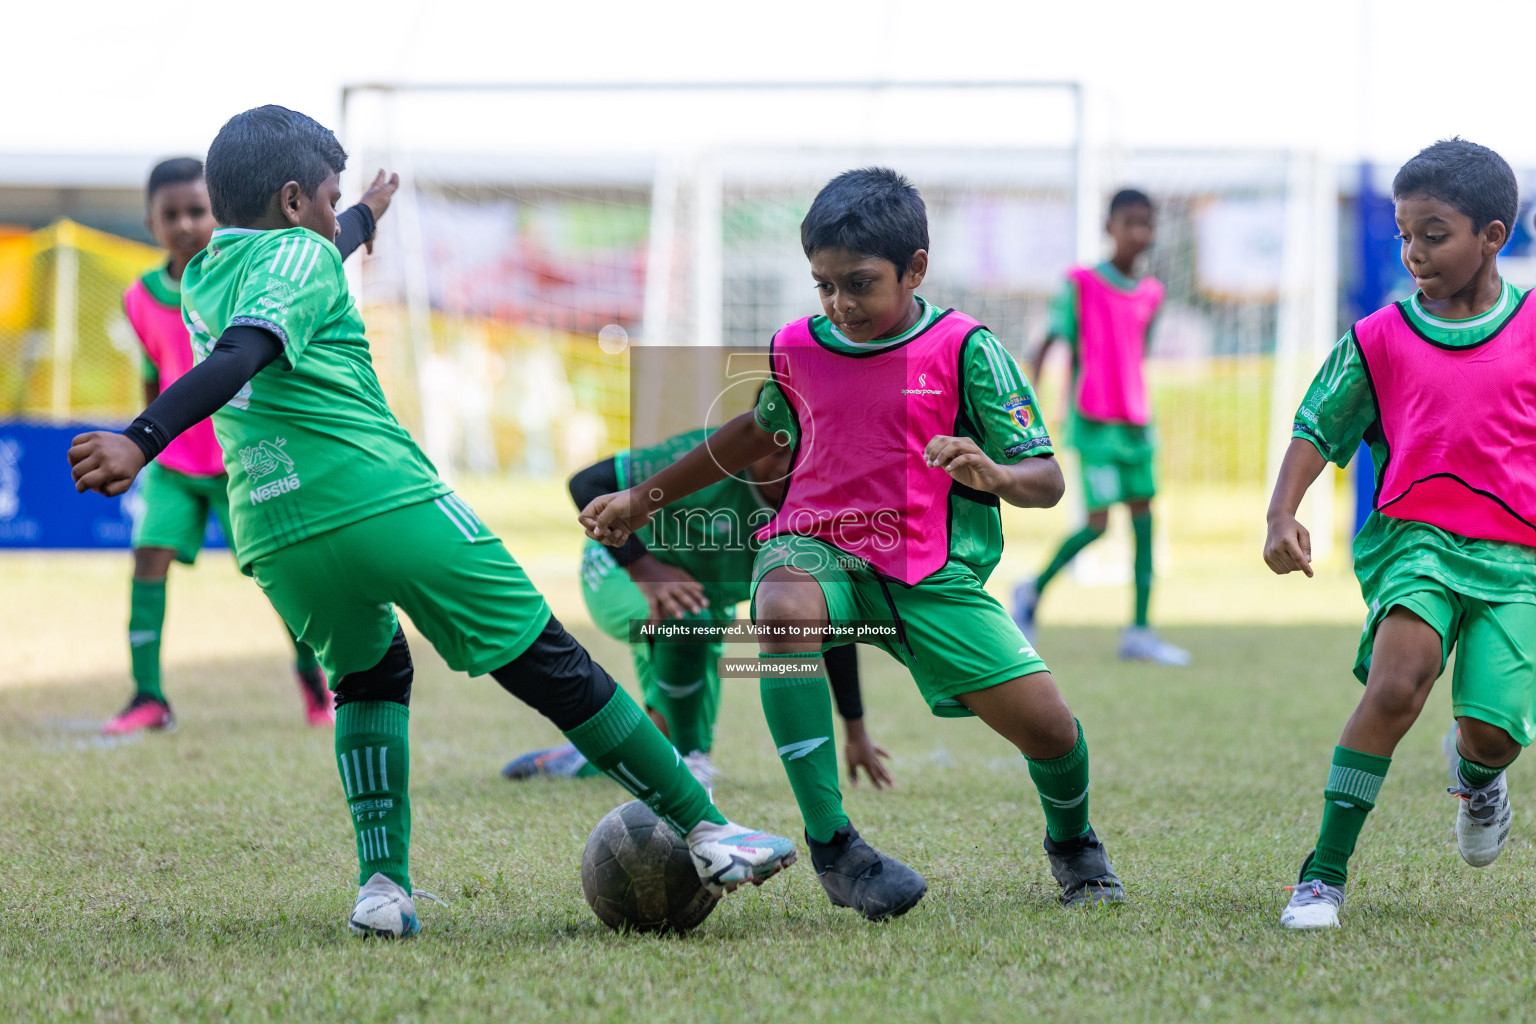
x,y
922,387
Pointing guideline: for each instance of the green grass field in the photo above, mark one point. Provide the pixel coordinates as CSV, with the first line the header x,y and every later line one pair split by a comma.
x,y
207,874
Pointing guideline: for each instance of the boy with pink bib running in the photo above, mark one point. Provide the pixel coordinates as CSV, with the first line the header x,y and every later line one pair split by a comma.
x,y
909,424
1105,314
1447,558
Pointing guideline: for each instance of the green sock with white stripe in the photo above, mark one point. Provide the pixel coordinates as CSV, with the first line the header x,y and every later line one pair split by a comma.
x,y
621,741
1353,784
1062,783
799,713
373,755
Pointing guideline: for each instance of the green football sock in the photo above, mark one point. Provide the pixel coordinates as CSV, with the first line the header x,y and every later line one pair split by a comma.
x,y
373,753
1062,783
799,713
146,620
1143,527
1353,783
1068,551
621,741
687,693
1477,775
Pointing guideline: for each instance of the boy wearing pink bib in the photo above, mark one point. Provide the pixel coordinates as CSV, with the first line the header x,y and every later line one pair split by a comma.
x,y
1105,314
909,424
1447,558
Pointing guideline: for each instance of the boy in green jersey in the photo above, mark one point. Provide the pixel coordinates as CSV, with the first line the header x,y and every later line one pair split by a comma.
x,y
340,517
1105,314
898,413
188,482
1429,588
694,562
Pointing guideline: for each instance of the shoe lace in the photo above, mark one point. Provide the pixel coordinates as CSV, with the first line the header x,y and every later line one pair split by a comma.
x,y
1478,798
1316,891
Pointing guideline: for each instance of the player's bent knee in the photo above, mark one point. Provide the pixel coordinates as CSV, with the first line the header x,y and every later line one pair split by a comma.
x,y
557,678
1486,743
150,565
788,598
389,680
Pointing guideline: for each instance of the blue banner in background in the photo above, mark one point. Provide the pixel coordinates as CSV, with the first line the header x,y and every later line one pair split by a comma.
x,y
39,507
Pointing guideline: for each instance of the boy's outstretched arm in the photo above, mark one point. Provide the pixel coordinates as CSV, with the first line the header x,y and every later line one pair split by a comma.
x,y
356,224
610,518
106,462
1034,482
1288,546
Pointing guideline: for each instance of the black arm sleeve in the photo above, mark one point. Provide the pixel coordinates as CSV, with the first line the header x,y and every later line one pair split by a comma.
x,y
843,673
598,479
356,226
203,390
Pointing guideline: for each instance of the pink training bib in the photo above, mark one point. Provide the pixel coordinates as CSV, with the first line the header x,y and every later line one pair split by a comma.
x,y
169,347
1466,469
860,482
1112,327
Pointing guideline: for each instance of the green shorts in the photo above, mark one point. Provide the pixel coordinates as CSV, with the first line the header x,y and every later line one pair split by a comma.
x,y
951,634
176,508
1108,482
679,669
338,590
1495,676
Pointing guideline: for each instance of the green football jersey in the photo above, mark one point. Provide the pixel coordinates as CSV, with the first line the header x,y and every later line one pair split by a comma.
x,y
710,533
309,442
999,412
1339,411
1097,441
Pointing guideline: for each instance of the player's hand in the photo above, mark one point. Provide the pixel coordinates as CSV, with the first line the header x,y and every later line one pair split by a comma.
x,y
964,461
610,518
1288,546
377,199
859,751
670,592
104,462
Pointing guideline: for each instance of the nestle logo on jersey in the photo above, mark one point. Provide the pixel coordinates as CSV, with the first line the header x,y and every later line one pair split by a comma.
x,y
274,489
922,387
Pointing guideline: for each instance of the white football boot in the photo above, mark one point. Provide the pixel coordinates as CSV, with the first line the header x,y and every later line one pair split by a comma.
x,y
1139,643
730,855
384,911
1314,904
1483,816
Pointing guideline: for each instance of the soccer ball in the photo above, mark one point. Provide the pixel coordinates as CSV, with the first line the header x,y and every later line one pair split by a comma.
x,y
637,874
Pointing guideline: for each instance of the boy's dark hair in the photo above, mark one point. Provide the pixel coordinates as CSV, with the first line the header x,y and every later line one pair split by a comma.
x,y
175,171
258,152
1129,197
1472,178
872,211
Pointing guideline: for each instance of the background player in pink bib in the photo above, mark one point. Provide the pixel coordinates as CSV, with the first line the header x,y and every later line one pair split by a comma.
x,y
1447,558
187,482
1105,314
